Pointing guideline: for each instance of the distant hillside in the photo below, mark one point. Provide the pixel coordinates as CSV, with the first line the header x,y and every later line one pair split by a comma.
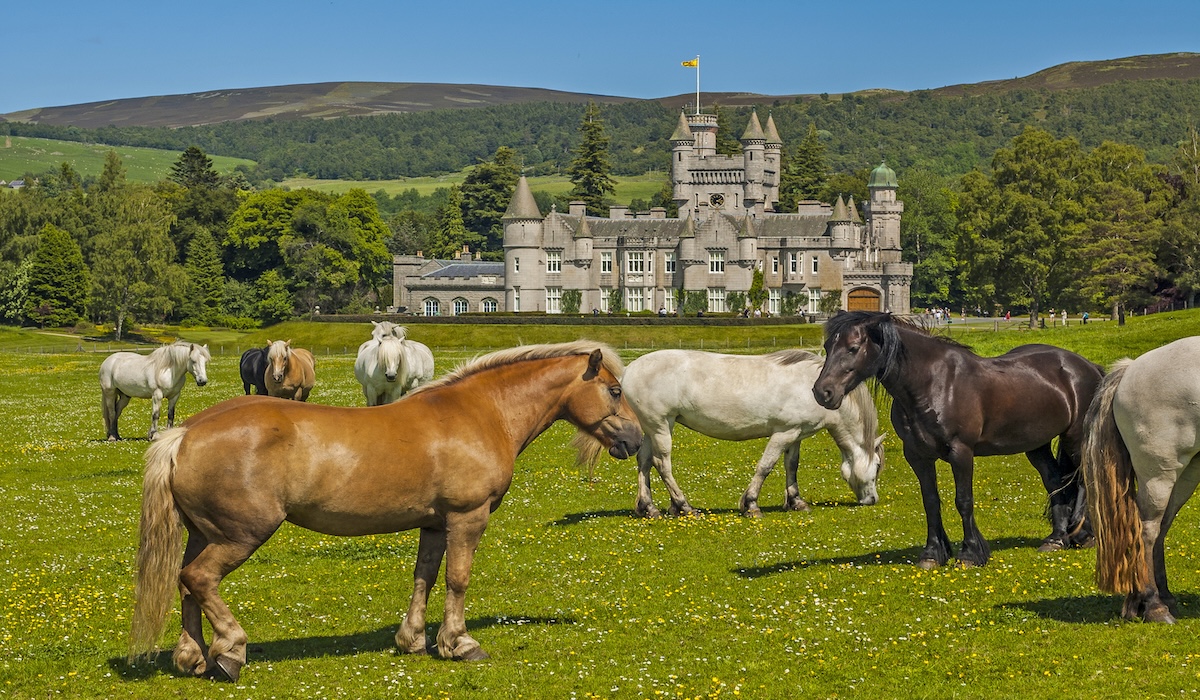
x,y
21,155
331,100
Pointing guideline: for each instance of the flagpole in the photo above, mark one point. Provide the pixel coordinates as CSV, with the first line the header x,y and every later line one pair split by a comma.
x,y
697,83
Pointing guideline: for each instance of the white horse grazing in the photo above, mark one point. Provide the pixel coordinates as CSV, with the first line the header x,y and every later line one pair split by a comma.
x,y
740,397
124,375
390,365
1144,424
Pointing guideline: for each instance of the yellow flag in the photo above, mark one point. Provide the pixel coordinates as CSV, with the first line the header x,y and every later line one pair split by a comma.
x,y
694,63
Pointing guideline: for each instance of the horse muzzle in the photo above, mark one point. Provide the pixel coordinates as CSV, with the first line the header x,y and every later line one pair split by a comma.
x,y
827,395
201,382
626,441
390,377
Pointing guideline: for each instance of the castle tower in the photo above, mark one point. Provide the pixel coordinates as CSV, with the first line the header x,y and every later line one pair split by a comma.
x,y
774,166
754,143
883,211
704,129
522,223
683,144
841,230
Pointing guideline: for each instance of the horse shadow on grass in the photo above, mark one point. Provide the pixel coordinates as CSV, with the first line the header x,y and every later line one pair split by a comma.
x,y
907,556
576,518
323,646
1093,609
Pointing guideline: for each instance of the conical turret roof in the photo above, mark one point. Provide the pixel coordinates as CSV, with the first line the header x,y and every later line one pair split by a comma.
x,y
683,132
689,227
840,213
584,231
854,217
754,130
747,230
772,132
522,205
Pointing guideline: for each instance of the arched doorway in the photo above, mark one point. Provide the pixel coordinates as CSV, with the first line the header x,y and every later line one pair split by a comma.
x,y
863,300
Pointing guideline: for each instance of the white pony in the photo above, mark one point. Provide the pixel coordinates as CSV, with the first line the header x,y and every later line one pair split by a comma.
x,y
740,397
390,365
124,375
1144,424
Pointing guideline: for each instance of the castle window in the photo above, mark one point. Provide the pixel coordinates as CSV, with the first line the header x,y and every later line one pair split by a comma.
x,y
488,306
669,301
773,301
814,261
605,292
774,264
716,261
635,299
461,306
716,299
553,300
553,261
793,262
516,264
432,307
814,300
669,262
606,262
635,261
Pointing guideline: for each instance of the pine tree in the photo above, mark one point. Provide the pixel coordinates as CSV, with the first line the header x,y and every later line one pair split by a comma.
x,y
451,234
58,281
194,169
486,192
727,139
590,170
804,173
113,176
206,279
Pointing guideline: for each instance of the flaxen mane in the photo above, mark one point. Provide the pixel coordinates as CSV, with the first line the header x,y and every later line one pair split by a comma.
x,y
528,352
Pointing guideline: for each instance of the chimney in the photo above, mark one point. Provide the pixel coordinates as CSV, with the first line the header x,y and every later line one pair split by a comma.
x,y
577,208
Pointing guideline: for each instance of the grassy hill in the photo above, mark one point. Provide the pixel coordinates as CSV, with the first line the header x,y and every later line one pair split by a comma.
x,y
628,187
341,99
20,155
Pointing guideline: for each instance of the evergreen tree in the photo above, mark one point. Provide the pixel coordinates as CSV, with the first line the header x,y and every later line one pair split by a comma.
x,y
206,279
451,234
758,292
194,169
113,176
727,136
486,192
804,173
590,170
58,280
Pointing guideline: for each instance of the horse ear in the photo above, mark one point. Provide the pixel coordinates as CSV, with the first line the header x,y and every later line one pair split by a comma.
x,y
594,362
375,323
288,342
879,440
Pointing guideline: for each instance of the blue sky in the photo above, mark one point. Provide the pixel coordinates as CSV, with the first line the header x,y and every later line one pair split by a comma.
x,y
69,52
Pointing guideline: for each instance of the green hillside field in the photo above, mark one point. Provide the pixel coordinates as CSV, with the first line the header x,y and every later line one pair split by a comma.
x,y
20,155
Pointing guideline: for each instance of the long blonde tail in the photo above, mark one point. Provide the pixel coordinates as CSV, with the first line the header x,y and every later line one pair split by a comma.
x,y
1111,485
160,552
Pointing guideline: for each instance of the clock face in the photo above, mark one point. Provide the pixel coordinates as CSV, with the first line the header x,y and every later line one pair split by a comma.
x,y
717,200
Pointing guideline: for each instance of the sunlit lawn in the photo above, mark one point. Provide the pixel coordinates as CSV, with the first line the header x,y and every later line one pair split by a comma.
x,y
571,595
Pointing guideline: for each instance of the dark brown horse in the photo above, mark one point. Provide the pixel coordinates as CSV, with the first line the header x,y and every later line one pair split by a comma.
x,y
253,368
950,404
440,460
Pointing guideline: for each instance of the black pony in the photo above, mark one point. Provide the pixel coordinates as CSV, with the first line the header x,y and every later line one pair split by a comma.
x,y
253,367
950,404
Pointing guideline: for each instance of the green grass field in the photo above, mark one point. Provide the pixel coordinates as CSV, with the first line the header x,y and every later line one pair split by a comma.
x,y
571,595
20,155
628,188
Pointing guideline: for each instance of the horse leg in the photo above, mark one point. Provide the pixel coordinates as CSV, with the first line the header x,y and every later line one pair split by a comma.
x,y
121,401
155,409
937,543
975,550
201,578
1182,490
191,651
791,464
463,531
1062,498
775,447
171,401
108,400
644,506
410,638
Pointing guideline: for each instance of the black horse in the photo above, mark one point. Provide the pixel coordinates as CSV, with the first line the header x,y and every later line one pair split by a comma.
x,y
253,367
950,404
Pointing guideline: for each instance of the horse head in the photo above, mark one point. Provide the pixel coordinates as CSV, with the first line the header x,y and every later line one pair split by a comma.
x,y
389,354
278,353
861,472
857,346
198,358
597,406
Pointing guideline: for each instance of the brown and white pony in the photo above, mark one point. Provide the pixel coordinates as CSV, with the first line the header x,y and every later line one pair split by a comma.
x,y
440,460
290,371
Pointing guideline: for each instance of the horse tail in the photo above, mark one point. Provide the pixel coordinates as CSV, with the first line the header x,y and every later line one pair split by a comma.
x,y
1109,478
160,551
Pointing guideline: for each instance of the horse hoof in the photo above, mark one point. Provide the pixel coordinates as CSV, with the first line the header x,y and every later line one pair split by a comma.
x,y
684,509
1050,545
754,512
113,438
1088,542
651,513
1159,613
227,669
800,506
928,564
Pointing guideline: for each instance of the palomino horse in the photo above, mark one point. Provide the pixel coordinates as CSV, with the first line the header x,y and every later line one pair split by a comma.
x,y
160,374
390,365
290,371
440,460
253,368
1145,424
741,397
950,404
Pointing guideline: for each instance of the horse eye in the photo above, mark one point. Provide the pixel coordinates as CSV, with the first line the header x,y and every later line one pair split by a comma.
x,y
615,391
853,349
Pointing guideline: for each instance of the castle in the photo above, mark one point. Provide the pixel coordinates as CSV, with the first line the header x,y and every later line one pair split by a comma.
x,y
728,227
